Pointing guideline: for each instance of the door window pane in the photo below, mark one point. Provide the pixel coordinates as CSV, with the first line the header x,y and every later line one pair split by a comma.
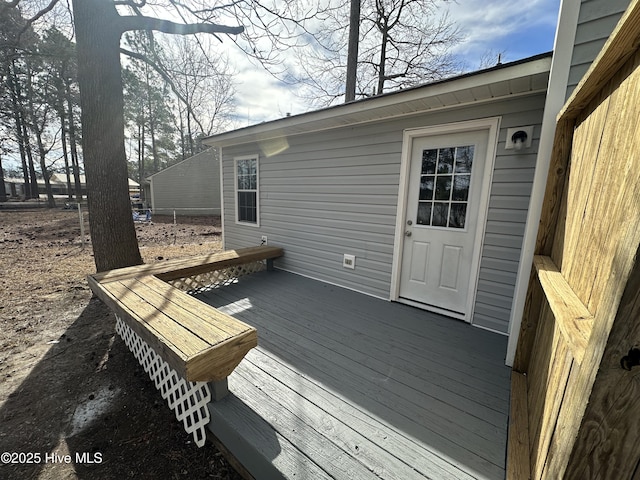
x,y
445,181
426,187
424,213
461,188
429,159
440,214
445,160
457,215
464,159
443,187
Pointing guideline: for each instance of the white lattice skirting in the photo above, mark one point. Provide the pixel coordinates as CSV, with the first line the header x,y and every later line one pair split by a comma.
x,y
187,399
203,282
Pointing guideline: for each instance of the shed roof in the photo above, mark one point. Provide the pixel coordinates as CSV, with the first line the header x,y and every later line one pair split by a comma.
x,y
502,81
208,153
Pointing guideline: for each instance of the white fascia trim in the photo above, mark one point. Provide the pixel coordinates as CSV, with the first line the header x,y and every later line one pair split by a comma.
x,y
277,128
556,96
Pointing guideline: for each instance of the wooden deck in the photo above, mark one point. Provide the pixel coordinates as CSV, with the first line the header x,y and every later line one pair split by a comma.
x,y
347,386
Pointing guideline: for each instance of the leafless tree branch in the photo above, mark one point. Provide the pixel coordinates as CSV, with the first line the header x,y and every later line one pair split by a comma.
x,y
163,73
130,23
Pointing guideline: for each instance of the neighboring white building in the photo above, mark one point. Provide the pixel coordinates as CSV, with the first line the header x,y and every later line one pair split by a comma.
x,y
14,187
191,187
59,184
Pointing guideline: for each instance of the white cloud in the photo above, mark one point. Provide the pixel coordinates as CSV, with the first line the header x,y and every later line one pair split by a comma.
x,y
518,28
261,97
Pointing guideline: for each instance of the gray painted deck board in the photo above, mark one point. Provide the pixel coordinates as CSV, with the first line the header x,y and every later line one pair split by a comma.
x,y
344,385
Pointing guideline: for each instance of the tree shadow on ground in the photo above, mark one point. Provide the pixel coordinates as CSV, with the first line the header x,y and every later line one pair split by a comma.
x,y
89,411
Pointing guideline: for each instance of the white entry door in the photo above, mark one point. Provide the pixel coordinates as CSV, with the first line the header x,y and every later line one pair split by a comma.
x,y
442,217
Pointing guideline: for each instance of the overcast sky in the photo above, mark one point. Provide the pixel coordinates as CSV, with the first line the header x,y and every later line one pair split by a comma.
x,y
516,28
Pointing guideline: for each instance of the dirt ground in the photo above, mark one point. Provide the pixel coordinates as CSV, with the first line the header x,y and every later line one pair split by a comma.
x,y
74,402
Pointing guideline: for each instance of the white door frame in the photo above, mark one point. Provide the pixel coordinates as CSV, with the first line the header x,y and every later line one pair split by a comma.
x,y
491,124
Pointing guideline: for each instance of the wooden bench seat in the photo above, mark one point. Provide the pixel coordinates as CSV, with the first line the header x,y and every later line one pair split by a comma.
x,y
185,267
197,340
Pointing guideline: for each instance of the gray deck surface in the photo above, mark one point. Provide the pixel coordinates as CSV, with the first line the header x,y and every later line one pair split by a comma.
x,y
346,386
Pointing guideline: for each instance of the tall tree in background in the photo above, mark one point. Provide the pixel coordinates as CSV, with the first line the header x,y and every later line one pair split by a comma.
x,y
16,86
16,42
150,123
39,118
352,51
3,189
99,25
57,51
402,43
204,86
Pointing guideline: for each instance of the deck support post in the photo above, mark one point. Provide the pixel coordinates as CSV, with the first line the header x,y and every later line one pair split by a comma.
x,y
219,389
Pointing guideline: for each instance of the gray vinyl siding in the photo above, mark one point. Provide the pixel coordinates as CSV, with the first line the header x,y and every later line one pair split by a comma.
x,y
596,21
191,187
336,192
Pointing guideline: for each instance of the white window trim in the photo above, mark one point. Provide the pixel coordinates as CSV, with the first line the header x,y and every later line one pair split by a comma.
x,y
255,157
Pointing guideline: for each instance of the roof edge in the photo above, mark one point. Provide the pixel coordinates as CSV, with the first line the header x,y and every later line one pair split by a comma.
x,y
528,66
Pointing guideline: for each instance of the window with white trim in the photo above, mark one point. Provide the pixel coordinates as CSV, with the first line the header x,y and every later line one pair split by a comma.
x,y
246,173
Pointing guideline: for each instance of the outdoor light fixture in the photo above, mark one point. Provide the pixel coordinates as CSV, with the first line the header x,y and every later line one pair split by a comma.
x,y
519,138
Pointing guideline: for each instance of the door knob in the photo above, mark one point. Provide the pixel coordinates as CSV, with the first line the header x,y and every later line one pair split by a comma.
x,y
407,233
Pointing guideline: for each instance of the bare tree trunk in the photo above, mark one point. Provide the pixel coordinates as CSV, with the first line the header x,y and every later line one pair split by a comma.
x,y
189,134
23,155
182,142
113,233
188,119
72,144
3,188
65,151
352,52
33,186
383,59
51,202
152,126
141,150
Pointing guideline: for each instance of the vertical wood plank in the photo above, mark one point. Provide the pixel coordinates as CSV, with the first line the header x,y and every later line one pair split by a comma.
x,y
518,467
538,375
579,184
553,398
547,382
529,324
